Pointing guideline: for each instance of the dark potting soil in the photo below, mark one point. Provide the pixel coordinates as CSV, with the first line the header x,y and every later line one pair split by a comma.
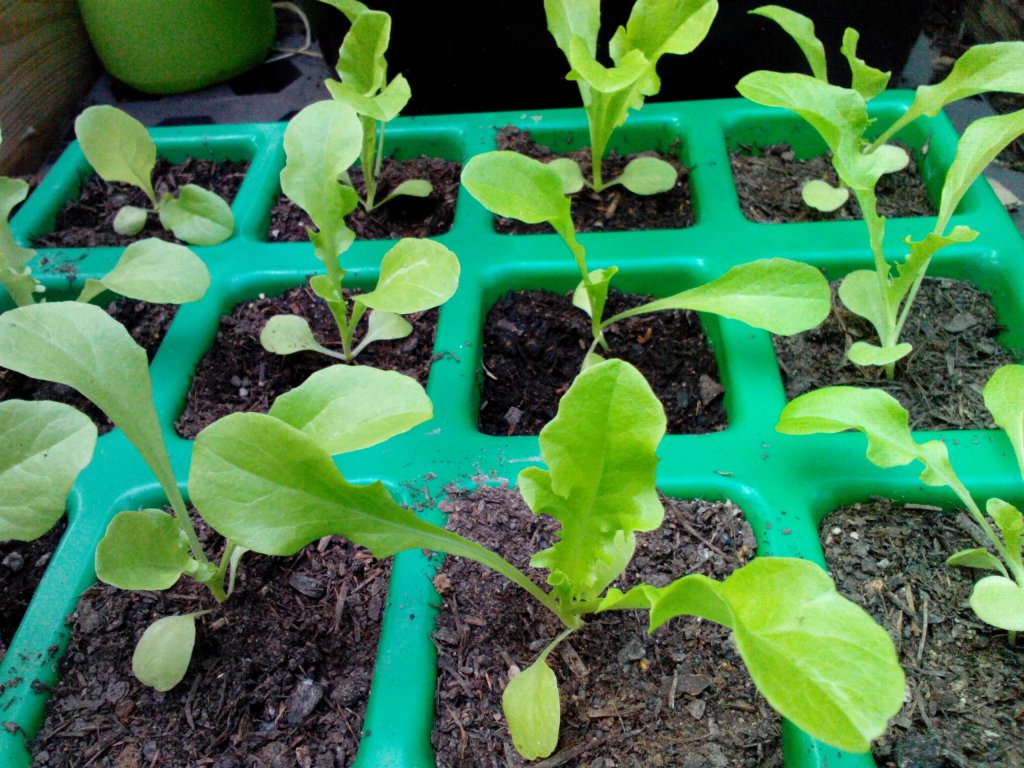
x,y
965,682
769,180
146,323
615,209
953,328
238,374
22,564
401,217
279,676
679,697
88,222
535,342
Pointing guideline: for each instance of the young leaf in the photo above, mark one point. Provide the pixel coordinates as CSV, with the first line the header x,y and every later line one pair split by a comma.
x,y
118,147
822,196
600,450
288,334
164,651
517,187
43,447
999,602
384,106
976,558
867,81
346,408
864,353
573,18
600,281
197,216
861,293
142,549
530,703
657,27
992,67
801,29
647,176
361,61
130,220
1004,400
1010,522
570,174
893,158
14,273
383,326
415,275
410,188
156,271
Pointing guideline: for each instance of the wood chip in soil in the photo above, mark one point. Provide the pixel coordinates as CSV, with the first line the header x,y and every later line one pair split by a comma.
x,y
535,341
769,182
953,328
965,683
401,217
146,323
279,676
615,209
22,564
679,697
88,222
237,374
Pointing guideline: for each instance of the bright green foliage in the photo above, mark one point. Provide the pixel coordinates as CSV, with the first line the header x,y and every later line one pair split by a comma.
x,y
840,116
654,28
44,447
321,144
156,271
780,295
997,600
821,195
119,149
164,651
531,706
15,275
142,549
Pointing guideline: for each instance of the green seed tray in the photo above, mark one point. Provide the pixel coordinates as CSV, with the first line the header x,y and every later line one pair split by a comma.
x,y
785,485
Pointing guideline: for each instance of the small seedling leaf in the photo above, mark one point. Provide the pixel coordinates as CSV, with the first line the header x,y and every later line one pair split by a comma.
x,y
517,187
600,280
383,326
659,27
570,174
156,271
142,549
197,216
894,159
130,220
384,107
415,275
865,353
413,188
361,62
992,67
530,703
118,147
801,29
574,18
164,651
822,196
862,295
999,602
288,334
1010,523
867,81
976,558
648,176
1004,398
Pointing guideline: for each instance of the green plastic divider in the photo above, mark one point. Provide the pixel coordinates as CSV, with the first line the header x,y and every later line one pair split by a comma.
x,y
785,485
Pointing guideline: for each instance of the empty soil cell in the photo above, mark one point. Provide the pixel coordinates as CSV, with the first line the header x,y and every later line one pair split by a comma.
x,y
279,676
679,697
146,323
22,564
238,374
965,682
88,222
953,328
615,208
401,217
769,181
535,342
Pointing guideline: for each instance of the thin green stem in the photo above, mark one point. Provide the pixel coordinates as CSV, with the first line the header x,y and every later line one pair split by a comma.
x,y
904,120
380,150
979,517
367,158
554,644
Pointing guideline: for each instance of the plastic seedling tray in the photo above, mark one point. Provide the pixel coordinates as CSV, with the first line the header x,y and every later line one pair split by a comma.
x,y
785,485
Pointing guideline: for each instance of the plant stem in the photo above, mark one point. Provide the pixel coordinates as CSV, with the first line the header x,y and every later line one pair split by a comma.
x,y
979,517
348,329
367,158
380,150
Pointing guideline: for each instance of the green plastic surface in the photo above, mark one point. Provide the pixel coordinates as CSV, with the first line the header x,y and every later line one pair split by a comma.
x,y
785,485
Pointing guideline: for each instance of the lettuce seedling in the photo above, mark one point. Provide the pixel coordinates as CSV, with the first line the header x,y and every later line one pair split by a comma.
x,y
119,149
997,600
270,487
364,86
338,409
15,274
654,28
780,295
415,275
884,296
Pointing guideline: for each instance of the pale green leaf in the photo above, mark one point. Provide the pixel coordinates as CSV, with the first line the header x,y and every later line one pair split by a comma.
x,y
43,447
648,176
592,301
867,81
1010,523
130,220
361,62
822,196
416,274
142,549
384,106
999,602
346,408
383,326
164,651
892,158
197,216
693,595
982,68
570,174
156,271
574,18
288,334
530,703
659,27
118,147
600,450
607,80
590,360
15,275
938,471
412,188
801,29
917,261
865,353
976,558
864,294
1004,398
517,187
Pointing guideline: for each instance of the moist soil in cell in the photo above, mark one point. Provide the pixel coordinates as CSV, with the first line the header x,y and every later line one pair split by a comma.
x,y
22,564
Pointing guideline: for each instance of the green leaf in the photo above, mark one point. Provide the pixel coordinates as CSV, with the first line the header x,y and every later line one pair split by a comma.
x,y
917,261
867,81
982,68
15,275
412,188
648,176
383,326
600,450
43,447
118,147
130,220
142,549
976,558
657,27
818,659
156,271
1010,522
321,142
1005,402
288,334
822,196
573,18
361,62
863,353
530,703
197,216
164,651
415,275
999,602
893,158
801,29
346,408
861,293
570,174
779,295
384,107
600,280
517,187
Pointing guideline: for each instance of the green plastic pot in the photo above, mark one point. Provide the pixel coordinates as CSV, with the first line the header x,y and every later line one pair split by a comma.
x,y
779,481
173,46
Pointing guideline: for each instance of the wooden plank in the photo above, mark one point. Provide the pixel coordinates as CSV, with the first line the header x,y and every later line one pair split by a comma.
x,y
46,66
